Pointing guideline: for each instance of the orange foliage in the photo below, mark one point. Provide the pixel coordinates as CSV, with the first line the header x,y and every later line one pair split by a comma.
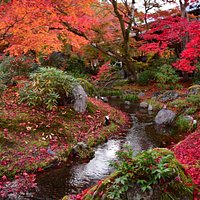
x,y
40,25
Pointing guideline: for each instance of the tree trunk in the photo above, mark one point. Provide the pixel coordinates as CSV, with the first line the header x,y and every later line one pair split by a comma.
x,y
131,71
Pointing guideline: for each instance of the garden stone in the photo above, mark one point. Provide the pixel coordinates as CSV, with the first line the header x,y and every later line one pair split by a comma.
x,y
141,94
80,99
150,107
143,104
156,95
168,96
104,99
127,102
165,117
82,150
188,118
194,90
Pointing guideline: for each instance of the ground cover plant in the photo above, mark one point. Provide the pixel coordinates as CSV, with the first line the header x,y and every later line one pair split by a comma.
x,y
155,169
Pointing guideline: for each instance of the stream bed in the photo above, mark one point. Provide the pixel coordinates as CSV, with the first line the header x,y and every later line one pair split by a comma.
x,y
56,183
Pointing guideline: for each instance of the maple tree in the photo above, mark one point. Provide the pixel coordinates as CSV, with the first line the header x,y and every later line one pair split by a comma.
x,y
43,25
169,35
112,28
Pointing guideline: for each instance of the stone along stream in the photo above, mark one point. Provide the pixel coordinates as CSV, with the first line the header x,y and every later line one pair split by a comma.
x,y
56,183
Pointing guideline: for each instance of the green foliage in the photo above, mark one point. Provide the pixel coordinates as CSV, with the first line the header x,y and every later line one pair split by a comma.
x,y
15,66
183,124
156,168
88,87
178,103
2,89
191,110
196,77
91,108
155,104
130,97
71,63
165,76
144,77
47,86
117,93
194,100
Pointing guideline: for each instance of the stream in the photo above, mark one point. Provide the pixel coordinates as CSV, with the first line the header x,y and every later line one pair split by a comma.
x,y
56,183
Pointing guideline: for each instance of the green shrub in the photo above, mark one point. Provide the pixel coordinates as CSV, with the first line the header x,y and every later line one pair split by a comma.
x,y
91,108
183,124
47,86
150,169
166,75
144,77
2,89
117,93
191,110
196,77
16,66
178,103
88,87
194,99
130,97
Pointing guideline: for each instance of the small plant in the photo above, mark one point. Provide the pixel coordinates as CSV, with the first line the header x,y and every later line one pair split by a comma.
x,y
16,66
130,97
155,104
165,76
191,110
196,77
88,87
2,89
48,85
150,169
111,93
178,103
194,99
183,124
91,108
144,77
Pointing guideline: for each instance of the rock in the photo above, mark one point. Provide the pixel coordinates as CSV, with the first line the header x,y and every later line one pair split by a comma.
x,y
168,96
143,104
82,150
165,117
156,95
80,99
141,94
104,99
150,107
188,118
194,90
127,102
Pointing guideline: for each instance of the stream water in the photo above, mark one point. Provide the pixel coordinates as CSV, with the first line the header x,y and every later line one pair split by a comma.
x,y
56,183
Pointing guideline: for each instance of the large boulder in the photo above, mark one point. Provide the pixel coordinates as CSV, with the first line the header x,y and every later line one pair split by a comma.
x,y
165,117
80,98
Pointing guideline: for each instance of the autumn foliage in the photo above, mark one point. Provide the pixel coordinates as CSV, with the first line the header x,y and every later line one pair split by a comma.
x,y
43,25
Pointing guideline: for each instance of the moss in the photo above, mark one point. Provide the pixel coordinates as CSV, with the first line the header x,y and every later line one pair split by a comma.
x,y
91,108
155,104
